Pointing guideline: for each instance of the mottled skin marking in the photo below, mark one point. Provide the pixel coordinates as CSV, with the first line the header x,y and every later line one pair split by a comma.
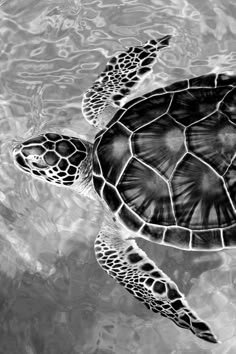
x,y
228,137
174,140
119,148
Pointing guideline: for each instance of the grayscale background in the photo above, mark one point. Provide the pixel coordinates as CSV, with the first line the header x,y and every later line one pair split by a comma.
x,y
54,298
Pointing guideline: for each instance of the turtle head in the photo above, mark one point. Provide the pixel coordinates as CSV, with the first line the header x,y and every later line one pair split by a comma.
x,y
56,158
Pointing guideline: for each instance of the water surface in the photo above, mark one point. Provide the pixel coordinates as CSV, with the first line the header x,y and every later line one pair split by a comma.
x,y
54,298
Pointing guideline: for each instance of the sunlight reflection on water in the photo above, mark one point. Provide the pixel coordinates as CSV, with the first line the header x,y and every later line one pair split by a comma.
x,y
54,297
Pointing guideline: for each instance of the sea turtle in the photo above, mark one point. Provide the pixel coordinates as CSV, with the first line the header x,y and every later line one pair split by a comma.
x,y
163,167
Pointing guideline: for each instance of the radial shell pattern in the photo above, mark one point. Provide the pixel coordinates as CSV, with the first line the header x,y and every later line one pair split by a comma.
x,y
166,164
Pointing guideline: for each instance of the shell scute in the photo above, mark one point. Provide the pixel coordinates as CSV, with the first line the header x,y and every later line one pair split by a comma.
x,y
145,111
203,81
98,184
230,181
111,197
225,80
146,193
228,105
113,152
207,239
160,144
200,197
178,237
189,106
177,86
156,232
96,165
129,219
213,140
229,237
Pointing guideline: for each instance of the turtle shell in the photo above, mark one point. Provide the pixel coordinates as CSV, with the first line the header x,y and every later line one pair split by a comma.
x,y
166,167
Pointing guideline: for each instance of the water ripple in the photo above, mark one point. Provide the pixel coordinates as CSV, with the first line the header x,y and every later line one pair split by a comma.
x,y
54,298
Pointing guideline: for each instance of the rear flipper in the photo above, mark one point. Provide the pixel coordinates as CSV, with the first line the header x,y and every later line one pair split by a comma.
x,y
130,266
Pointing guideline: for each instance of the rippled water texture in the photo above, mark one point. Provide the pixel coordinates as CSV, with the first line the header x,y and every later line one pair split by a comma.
x,y
54,298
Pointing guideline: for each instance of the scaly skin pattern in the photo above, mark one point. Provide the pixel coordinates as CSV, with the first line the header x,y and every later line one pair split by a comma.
x,y
121,74
124,261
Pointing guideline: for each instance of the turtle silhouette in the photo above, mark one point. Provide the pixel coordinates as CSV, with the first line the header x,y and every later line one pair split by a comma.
x,y
162,165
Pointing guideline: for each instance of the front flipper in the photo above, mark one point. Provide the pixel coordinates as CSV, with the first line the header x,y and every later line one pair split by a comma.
x,y
122,73
124,261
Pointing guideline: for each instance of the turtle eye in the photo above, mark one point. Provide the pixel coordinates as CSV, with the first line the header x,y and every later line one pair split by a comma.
x,y
33,156
36,161
39,164
33,150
